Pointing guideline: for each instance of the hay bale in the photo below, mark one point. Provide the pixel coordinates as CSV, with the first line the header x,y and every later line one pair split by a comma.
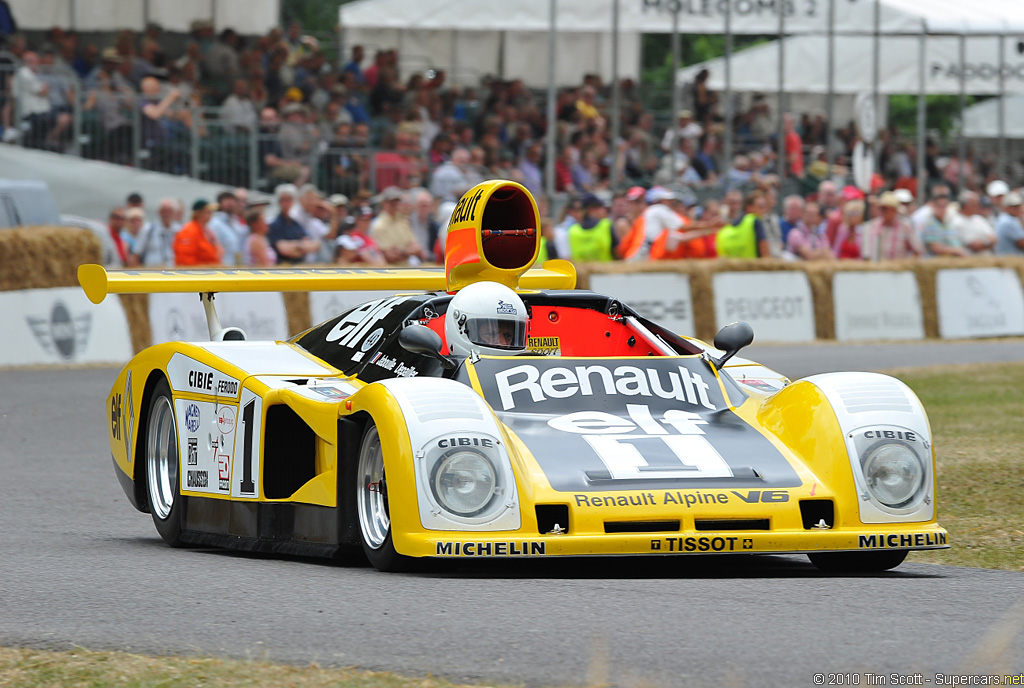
x,y
296,305
45,257
136,309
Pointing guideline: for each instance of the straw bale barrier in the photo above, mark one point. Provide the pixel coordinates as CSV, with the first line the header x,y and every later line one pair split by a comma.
x,y
819,275
46,257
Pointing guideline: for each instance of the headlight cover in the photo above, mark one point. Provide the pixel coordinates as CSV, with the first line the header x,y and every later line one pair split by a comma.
x,y
894,473
464,481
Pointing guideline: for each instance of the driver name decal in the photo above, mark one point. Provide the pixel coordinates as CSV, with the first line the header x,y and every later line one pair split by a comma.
x,y
524,384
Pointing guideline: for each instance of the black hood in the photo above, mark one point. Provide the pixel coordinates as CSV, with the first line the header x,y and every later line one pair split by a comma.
x,y
630,424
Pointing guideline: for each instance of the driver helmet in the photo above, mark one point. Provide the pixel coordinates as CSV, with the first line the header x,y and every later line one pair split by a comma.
x,y
488,318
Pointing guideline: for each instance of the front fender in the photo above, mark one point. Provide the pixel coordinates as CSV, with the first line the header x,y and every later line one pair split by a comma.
x,y
418,419
825,417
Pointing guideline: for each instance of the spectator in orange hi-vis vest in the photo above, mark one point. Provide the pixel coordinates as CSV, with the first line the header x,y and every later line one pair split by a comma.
x,y
195,243
676,244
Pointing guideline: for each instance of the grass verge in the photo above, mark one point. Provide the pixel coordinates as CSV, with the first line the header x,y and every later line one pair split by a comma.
x,y
79,668
977,419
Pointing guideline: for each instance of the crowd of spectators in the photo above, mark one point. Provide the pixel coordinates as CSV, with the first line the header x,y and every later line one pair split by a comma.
x,y
365,164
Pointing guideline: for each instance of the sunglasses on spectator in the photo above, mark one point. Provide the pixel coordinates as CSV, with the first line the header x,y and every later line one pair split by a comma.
x,y
941,197
117,217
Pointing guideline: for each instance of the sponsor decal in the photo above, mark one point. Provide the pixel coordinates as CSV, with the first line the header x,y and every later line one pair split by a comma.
x,y
393,364
701,544
680,498
197,479
465,211
201,380
602,427
546,346
192,418
115,415
762,385
330,392
128,417
506,308
61,332
529,548
449,442
225,419
357,323
627,456
891,435
372,339
223,472
189,375
193,451
559,382
900,541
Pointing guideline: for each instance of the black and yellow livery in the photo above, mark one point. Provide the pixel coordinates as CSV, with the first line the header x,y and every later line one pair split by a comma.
x,y
611,435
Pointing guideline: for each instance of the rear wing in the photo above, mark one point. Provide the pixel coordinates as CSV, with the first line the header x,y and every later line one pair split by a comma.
x,y
97,282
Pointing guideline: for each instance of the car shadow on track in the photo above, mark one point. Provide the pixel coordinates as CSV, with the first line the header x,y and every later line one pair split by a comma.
x,y
693,566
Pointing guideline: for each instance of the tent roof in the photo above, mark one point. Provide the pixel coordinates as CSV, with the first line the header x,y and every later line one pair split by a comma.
x,y
654,16
982,120
806,59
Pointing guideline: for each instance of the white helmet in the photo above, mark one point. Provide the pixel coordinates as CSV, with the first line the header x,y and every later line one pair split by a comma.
x,y
488,318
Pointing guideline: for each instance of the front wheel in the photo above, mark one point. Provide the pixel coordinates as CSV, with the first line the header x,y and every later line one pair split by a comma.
x,y
372,505
163,480
857,562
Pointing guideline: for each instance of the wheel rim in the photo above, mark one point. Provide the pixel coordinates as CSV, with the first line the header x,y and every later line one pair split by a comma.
x,y
372,498
162,458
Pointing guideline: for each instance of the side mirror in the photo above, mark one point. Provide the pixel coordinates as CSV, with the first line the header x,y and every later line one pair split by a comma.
x,y
731,339
420,339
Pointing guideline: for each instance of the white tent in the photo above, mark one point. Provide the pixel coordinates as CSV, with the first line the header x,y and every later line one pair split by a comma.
x,y
806,65
244,16
981,121
467,34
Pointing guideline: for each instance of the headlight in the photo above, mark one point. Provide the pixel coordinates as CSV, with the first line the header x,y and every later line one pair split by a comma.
x,y
464,482
894,474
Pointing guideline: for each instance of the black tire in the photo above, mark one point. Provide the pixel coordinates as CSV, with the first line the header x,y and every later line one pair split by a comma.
x,y
857,562
162,466
372,506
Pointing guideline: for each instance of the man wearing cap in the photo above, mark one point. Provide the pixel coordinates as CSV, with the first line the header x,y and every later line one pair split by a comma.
x,y
286,236
393,233
996,191
687,128
591,239
196,243
354,244
889,236
656,219
975,231
1009,230
938,235
230,230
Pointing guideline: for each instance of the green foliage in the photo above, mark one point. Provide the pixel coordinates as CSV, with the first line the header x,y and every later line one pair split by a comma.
x,y
941,112
656,60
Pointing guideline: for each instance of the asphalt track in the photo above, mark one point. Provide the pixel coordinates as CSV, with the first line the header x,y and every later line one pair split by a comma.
x,y
79,566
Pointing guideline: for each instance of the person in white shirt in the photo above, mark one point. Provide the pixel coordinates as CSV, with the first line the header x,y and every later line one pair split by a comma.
x,y
153,246
305,213
658,218
976,233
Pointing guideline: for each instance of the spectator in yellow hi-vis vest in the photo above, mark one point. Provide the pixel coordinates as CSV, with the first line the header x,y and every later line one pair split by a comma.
x,y
745,237
591,240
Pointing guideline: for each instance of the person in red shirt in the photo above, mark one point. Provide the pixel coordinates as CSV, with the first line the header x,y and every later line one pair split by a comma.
x,y
794,147
195,243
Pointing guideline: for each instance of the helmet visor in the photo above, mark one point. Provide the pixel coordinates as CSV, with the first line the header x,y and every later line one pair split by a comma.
x,y
497,334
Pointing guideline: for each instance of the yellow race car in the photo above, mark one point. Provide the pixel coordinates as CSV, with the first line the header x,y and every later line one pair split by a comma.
x,y
504,414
